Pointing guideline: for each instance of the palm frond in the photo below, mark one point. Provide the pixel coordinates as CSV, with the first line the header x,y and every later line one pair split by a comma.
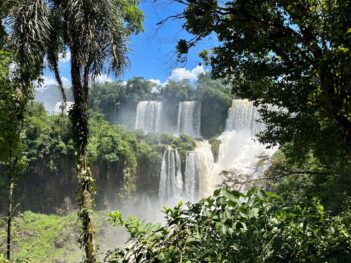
x,y
31,32
98,28
55,46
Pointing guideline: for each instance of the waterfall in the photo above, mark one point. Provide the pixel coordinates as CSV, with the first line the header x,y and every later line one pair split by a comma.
x,y
240,151
189,118
207,181
171,181
192,175
148,116
243,115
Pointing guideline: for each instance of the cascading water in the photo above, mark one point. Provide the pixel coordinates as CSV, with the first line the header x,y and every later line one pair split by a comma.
x,y
148,116
192,175
243,115
203,149
240,151
171,181
189,118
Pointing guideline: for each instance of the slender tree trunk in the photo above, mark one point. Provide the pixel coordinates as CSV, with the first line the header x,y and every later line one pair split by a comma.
x,y
79,119
344,126
9,219
335,105
86,206
11,185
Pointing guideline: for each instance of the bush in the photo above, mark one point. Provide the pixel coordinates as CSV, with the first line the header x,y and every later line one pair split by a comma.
x,y
233,227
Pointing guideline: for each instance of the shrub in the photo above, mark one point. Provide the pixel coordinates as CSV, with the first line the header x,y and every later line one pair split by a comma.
x,y
233,227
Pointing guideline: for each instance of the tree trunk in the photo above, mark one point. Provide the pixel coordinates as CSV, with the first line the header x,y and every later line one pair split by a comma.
x,y
85,206
79,120
11,185
335,105
344,126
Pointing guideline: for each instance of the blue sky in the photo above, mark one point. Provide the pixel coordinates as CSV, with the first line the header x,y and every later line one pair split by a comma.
x,y
152,52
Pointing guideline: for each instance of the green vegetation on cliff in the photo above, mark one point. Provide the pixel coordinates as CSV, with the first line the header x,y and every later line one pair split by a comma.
x,y
123,162
118,101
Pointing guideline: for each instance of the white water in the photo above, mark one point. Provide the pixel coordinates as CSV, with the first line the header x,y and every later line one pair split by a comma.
x,y
171,181
192,176
243,115
189,118
61,107
239,152
148,116
203,148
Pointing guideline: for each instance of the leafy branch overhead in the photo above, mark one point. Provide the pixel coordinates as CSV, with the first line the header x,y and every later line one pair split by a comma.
x,y
294,55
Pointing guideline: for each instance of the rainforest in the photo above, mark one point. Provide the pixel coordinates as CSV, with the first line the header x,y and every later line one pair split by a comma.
x,y
231,142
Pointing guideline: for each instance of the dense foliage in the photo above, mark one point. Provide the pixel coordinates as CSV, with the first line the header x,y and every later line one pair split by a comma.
x,y
95,33
290,54
292,58
232,227
123,162
294,178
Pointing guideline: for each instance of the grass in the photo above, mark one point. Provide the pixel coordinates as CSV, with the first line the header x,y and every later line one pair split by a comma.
x,y
54,238
44,238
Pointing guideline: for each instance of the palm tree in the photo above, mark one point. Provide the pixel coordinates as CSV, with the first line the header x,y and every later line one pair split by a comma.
x,y
95,34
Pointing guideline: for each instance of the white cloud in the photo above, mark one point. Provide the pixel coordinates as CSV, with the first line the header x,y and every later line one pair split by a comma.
x,y
102,78
47,81
156,81
178,74
66,82
64,57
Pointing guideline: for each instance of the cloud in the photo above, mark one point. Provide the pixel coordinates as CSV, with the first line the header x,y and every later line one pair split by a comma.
x,y
103,78
47,81
66,82
178,74
156,81
64,57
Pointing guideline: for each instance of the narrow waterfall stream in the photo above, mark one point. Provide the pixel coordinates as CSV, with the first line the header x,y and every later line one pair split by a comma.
x,y
192,176
189,118
242,115
171,180
206,185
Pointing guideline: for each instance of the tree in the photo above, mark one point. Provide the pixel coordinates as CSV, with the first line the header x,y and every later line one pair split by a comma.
x,y
15,93
13,102
290,54
95,33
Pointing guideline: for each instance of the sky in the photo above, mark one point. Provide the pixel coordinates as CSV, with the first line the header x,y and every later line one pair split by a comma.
x,y
152,52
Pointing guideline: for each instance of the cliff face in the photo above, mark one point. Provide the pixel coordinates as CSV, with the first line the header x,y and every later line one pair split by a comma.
x,y
40,190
